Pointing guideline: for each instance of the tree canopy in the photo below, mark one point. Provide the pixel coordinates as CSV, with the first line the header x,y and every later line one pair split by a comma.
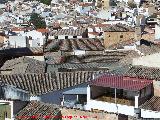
x,y
37,21
47,2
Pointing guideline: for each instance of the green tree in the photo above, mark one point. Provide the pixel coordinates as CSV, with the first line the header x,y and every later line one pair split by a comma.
x,y
37,21
47,2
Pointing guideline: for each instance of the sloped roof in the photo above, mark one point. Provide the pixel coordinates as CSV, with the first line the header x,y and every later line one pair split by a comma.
x,y
24,65
146,50
38,84
152,104
92,65
39,110
121,82
77,32
144,72
119,28
75,44
22,51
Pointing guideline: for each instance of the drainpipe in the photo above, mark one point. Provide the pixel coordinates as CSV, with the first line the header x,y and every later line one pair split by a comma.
x,y
115,93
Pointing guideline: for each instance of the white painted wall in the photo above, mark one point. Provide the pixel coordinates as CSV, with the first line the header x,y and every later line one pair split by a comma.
x,y
106,106
104,14
130,47
15,93
35,98
157,31
98,29
91,35
79,52
150,114
79,36
70,36
40,58
90,29
51,37
148,60
61,36
110,107
17,41
136,101
37,38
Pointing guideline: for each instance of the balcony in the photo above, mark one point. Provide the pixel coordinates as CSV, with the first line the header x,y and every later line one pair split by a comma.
x,y
111,99
109,107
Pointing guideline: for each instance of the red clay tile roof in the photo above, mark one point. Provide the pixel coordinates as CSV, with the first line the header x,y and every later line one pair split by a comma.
x,y
17,29
121,82
21,29
43,30
85,4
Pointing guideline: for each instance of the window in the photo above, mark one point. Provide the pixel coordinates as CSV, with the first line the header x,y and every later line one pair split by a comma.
x,y
66,37
5,114
74,36
56,37
121,36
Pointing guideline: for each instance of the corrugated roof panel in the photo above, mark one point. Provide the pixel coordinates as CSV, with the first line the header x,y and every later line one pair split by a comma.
x,y
121,82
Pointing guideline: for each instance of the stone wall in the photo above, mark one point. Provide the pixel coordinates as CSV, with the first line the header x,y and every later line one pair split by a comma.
x,y
111,38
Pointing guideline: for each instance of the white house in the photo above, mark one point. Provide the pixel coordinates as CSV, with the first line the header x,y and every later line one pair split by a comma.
x,y
18,41
104,14
36,39
157,32
118,94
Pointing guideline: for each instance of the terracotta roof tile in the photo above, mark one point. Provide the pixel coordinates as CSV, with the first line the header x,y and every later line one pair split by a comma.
x,y
39,110
144,72
152,104
43,30
38,84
